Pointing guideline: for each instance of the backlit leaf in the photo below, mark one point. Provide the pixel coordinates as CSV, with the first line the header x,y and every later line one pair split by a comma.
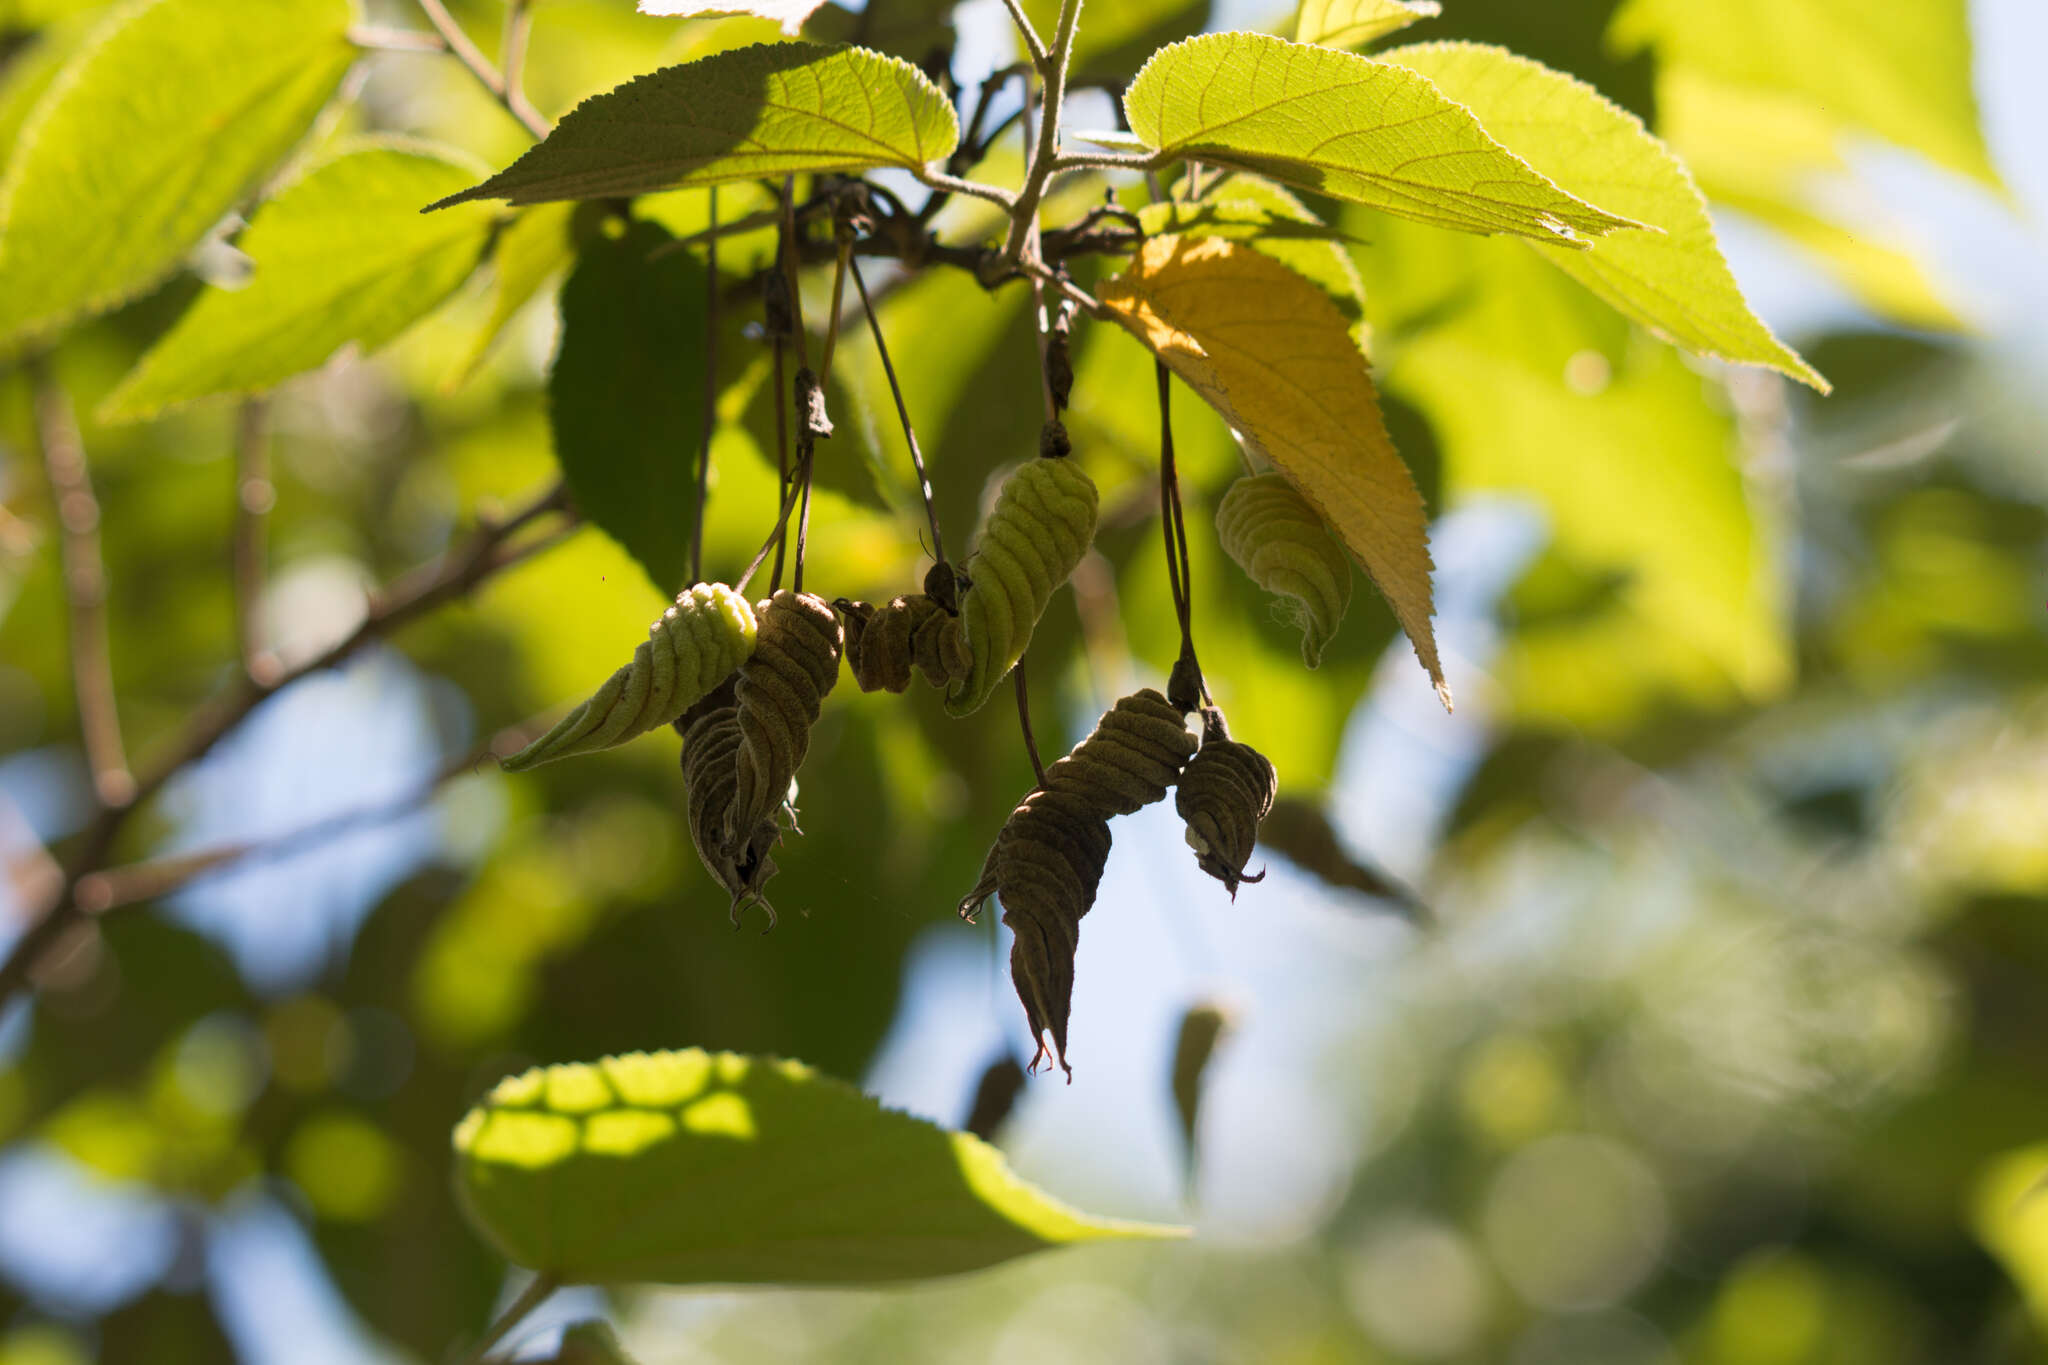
x,y
529,253
768,110
1273,355
1903,73
626,395
344,255
1676,280
153,133
693,1168
1260,214
789,13
1354,23
1351,128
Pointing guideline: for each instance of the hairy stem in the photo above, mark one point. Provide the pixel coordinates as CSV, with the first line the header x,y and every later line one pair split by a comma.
x,y
1033,44
85,586
1024,213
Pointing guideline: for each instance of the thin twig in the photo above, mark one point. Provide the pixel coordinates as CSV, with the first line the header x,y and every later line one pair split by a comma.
x,y
488,551
924,483
1033,44
529,1299
838,304
1024,213
954,184
255,495
512,52
1111,161
1174,532
774,541
710,394
781,403
480,67
803,526
1024,721
85,585
377,38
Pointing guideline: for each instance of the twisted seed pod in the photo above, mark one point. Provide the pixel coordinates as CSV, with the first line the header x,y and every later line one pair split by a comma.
x,y
711,744
883,644
1043,522
1279,539
699,641
781,687
1225,791
1047,861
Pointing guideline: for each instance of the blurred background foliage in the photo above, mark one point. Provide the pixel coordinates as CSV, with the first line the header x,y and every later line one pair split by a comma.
x,y
1722,1041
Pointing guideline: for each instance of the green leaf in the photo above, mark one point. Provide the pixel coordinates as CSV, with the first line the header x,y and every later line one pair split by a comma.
x,y
1273,222
1354,23
1903,74
152,134
30,71
626,396
789,13
696,1168
1773,155
772,109
1536,391
910,29
1674,281
1351,128
1112,40
530,252
343,255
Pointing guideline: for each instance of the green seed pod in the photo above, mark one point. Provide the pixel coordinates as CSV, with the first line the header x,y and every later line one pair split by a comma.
x,y
1047,861
711,745
1224,792
883,644
1043,522
1280,540
781,690
698,642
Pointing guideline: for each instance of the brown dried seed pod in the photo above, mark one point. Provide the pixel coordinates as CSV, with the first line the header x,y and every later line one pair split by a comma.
x,y
1225,791
781,689
1136,753
883,644
1047,861
711,744
1046,866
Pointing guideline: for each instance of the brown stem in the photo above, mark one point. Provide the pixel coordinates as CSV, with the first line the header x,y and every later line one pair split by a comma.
x,y
255,495
85,586
487,551
710,422
924,483
1053,70
1024,721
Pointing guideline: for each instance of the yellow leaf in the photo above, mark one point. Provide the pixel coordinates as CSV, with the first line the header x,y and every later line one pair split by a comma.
x,y
1272,354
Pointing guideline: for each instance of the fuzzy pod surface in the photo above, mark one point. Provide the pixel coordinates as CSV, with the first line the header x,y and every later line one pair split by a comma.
x,y
711,745
885,644
1047,862
1042,524
697,643
781,689
1224,792
1279,539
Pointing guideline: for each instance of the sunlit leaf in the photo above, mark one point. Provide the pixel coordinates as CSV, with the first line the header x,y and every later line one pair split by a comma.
x,y
1674,280
1273,355
626,396
1354,23
1348,127
1260,214
772,109
154,131
693,1168
789,13
1904,75
2011,1220
530,252
29,73
344,255
1772,155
